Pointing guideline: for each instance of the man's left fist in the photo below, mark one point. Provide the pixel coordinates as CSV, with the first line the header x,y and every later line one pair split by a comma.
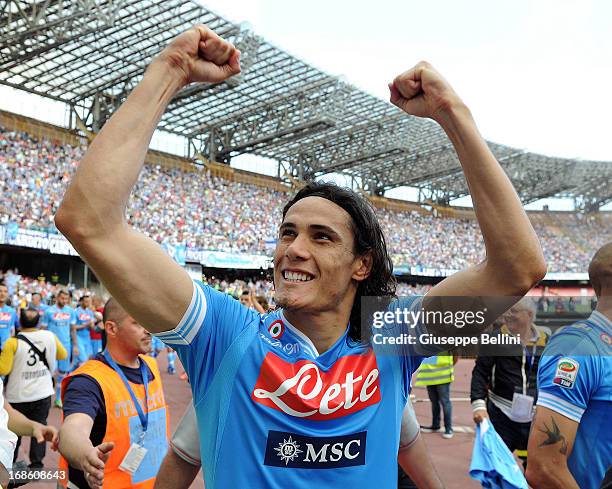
x,y
423,92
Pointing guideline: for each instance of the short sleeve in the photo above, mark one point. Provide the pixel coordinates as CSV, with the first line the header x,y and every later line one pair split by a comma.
x,y
186,440
73,318
83,395
209,326
410,427
567,381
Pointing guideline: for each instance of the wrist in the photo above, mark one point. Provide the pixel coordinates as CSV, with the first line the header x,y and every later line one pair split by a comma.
x,y
172,70
479,405
33,426
453,111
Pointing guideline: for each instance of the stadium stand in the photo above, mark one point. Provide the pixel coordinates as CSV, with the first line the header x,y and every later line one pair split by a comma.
x,y
193,206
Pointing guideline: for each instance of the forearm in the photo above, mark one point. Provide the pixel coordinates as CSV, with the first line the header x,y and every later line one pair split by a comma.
x,y
117,154
73,443
417,463
18,423
510,240
73,336
557,477
481,377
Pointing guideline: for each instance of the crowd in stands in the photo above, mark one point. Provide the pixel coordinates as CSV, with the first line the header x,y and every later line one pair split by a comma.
x,y
193,208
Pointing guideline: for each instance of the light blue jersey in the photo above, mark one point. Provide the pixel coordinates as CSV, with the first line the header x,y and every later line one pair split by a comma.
x,y
575,380
8,323
59,321
293,418
84,316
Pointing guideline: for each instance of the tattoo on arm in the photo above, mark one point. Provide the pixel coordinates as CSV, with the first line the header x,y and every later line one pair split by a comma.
x,y
554,436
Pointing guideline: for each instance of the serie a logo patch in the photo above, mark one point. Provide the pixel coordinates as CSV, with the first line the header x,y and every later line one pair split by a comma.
x,y
566,373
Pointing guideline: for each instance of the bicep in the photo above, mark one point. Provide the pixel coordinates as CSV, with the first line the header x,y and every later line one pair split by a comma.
x,y
552,437
150,285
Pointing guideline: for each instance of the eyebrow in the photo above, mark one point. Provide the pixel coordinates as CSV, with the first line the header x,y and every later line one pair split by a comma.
x,y
311,227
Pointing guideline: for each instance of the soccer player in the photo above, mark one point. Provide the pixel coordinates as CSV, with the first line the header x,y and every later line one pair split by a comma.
x,y
8,316
37,303
95,333
570,445
61,320
85,321
299,387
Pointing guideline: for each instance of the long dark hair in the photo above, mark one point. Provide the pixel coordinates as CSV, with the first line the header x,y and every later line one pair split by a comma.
x,y
368,238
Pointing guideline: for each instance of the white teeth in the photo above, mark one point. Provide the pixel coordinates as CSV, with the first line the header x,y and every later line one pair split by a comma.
x,y
299,277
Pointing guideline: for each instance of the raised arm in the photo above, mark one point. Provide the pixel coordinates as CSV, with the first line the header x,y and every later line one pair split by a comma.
x,y
514,262
149,285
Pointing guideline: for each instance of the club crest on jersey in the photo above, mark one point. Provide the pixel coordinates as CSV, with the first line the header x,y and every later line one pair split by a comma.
x,y
276,329
606,338
291,450
565,375
303,390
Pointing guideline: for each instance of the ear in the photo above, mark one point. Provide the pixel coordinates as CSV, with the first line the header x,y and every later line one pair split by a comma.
x,y
111,328
362,267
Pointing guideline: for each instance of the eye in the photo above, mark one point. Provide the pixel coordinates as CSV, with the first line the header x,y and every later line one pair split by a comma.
x,y
287,232
322,236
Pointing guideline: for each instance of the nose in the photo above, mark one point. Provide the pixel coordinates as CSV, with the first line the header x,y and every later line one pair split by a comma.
x,y
298,249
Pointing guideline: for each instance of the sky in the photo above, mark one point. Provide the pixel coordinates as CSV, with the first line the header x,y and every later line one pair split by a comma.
x,y
535,74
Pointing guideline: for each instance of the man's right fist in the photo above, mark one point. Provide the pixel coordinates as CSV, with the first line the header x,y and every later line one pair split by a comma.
x,y
200,55
479,415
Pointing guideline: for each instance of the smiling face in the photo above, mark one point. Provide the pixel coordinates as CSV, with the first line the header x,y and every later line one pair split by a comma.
x,y
315,268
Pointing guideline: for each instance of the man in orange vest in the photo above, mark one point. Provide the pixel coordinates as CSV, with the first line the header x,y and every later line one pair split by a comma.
x,y
115,430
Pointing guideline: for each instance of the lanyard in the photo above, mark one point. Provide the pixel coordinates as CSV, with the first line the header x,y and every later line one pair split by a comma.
x,y
144,417
531,361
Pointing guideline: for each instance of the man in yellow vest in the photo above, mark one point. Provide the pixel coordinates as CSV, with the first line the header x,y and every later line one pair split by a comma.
x,y
115,430
437,373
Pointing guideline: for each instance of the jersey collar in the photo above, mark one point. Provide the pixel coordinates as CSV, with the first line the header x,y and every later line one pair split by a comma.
x,y
306,342
601,320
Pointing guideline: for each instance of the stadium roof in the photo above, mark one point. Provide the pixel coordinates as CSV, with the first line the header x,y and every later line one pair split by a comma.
x,y
91,53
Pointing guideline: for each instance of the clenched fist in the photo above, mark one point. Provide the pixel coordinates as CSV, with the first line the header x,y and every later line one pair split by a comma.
x,y
200,55
423,92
